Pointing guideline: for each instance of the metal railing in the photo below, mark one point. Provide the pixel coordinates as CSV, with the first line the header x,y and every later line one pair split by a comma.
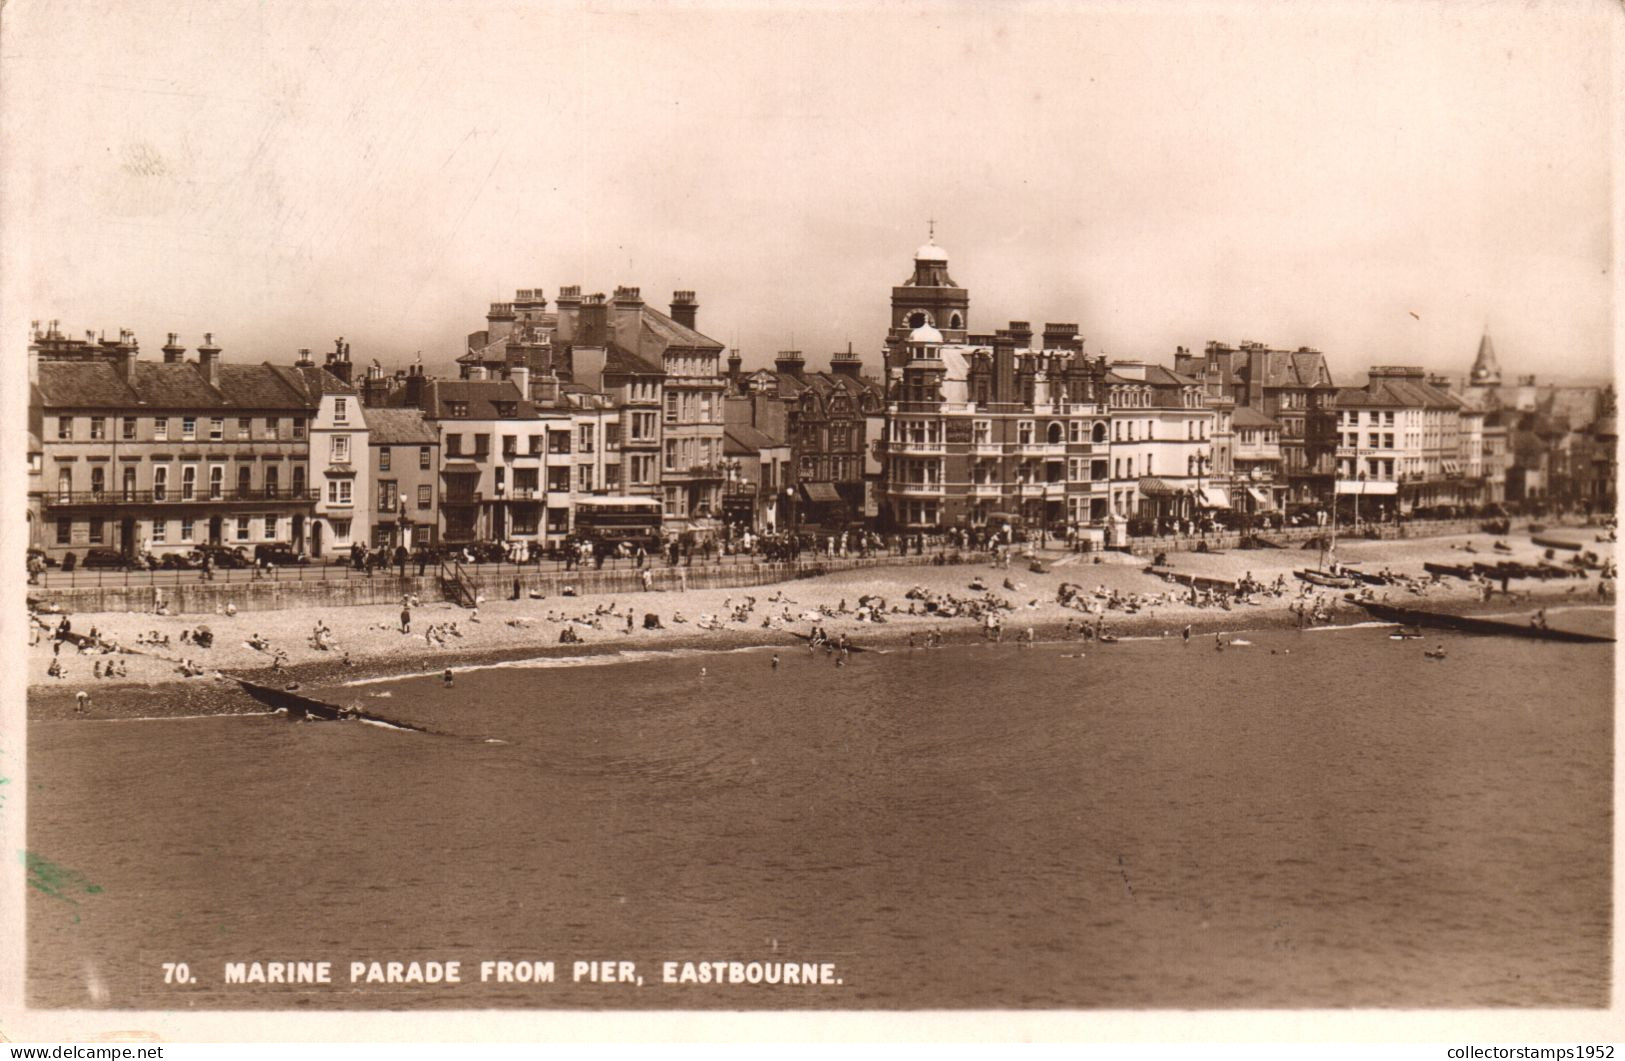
x,y
174,495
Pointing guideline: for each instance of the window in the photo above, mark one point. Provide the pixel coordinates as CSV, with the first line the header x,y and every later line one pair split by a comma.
x,y
129,482
671,408
160,428
425,498
1388,418
245,426
339,492
671,455
454,445
98,479
586,435
510,445
1388,440
341,529
457,408
160,483
242,528
98,428
273,426
383,458
64,484
643,426
64,428
643,469
341,449
674,503
273,476
188,530
1024,432
217,481
299,482
612,436
341,410
423,458
129,429
188,428
245,480
64,530
584,477
217,428
96,530
507,410
1375,439
389,497
160,531
298,427
270,528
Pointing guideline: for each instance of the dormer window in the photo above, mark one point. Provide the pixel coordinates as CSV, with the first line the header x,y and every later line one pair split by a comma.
x,y
457,408
507,409
341,409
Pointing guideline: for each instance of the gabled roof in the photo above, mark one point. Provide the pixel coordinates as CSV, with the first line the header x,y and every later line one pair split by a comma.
x,y
619,360
399,427
656,332
311,381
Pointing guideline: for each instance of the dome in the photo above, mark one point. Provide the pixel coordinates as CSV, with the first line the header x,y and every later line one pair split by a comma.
x,y
925,334
930,252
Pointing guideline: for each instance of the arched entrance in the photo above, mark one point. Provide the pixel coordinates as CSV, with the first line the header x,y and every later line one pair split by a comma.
x,y
316,537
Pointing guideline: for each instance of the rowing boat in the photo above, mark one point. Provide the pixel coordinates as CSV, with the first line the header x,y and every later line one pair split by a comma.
x,y
1547,542
298,706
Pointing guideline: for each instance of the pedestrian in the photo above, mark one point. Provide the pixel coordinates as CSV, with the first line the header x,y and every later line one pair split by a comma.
x,y
446,678
406,619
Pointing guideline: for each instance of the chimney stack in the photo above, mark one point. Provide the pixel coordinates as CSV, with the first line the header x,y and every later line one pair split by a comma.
x,y
520,375
594,330
338,361
791,363
847,364
684,310
414,386
736,369
174,353
208,359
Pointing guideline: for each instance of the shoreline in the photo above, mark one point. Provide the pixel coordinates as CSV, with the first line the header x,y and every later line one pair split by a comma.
x,y
180,697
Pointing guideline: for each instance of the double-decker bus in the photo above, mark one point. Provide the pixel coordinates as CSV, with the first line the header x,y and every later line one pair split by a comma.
x,y
612,520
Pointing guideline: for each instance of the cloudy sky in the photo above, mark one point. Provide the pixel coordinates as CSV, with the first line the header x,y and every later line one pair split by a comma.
x,y
1379,180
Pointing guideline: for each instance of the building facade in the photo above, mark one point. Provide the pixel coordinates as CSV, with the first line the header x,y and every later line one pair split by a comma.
x,y
1162,473
405,474
148,457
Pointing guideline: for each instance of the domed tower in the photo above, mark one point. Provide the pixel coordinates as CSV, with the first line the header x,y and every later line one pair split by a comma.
x,y
929,299
1486,370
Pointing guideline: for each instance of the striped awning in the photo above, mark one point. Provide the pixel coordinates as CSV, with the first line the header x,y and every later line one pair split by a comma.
x,y
1151,486
1215,497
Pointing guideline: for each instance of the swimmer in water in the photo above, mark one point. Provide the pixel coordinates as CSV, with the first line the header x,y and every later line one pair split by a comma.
x,y
702,672
1218,643
1187,633
775,661
82,701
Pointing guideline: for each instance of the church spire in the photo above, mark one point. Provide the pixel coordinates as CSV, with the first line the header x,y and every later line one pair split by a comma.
x,y
1486,370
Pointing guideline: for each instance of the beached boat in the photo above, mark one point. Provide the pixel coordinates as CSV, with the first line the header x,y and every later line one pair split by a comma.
x,y
1473,624
1327,579
1461,571
1547,542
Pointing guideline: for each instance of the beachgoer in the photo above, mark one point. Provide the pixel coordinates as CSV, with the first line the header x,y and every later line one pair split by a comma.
x,y
1187,633
81,701
406,620
775,661
445,678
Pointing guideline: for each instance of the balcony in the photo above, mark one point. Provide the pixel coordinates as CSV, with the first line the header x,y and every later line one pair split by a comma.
x,y
916,489
917,449
986,490
987,449
1041,449
454,500
172,496
696,472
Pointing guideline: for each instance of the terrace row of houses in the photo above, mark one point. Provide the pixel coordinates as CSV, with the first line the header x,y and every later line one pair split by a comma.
x,y
597,400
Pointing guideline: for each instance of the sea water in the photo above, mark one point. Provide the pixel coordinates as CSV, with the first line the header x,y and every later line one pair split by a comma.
x,y
1315,819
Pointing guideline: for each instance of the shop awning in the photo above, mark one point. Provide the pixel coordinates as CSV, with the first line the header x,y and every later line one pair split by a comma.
x,y
1215,497
821,493
1367,486
1260,496
1151,486
460,468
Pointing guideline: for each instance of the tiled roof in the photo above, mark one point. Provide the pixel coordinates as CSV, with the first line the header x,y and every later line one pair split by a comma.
x,y
1247,416
743,438
659,331
481,396
619,360
399,427
161,385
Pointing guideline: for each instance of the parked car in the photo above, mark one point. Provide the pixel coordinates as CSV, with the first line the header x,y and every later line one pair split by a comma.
x,y
176,562
104,558
279,553
223,556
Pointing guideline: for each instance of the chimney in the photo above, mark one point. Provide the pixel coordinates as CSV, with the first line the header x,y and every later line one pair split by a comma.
x,y
594,330
414,386
1062,336
848,364
124,363
174,353
1022,333
791,363
736,369
338,362
520,375
628,296
1004,366
208,360
684,310
304,360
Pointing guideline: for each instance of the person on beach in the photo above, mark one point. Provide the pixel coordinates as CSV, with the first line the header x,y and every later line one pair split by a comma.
x,y
406,619
445,679
54,670
1187,633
